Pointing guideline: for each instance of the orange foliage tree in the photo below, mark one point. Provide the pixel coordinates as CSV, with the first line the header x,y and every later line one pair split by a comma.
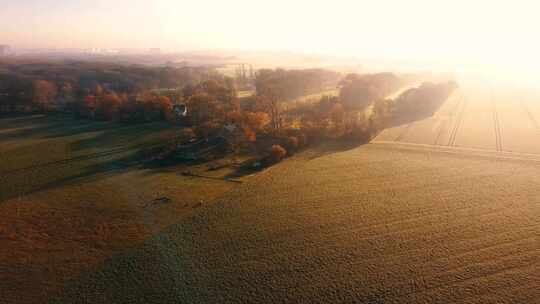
x,y
43,93
109,106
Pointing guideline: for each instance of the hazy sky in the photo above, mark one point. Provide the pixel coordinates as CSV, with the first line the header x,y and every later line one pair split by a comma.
x,y
506,31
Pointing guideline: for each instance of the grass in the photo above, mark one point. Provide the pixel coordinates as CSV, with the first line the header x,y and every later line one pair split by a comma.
x,y
73,193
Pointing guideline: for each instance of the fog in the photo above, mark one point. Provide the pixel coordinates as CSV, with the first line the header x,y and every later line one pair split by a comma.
x,y
478,35
484,39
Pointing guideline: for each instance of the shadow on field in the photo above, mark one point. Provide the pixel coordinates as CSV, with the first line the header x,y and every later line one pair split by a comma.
x,y
59,150
50,175
331,147
410,118
138,135
50,126
64,125
159,270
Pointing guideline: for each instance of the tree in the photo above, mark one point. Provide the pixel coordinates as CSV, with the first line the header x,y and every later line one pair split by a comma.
x,y
337,114
98,90
15,92
359,91
203,108
277,153
166,108
154,107
108,106
269,103
66,94
290,84
256,121
249,134
43,93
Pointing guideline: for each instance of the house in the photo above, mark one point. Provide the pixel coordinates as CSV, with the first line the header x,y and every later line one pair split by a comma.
x,y
180,110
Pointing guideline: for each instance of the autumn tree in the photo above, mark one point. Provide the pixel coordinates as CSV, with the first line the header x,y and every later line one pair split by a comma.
x,y
154,107
269,103
43,93
256,121
108,106
67,94
203,108
87,107
211,101
166,107
337,113
98,90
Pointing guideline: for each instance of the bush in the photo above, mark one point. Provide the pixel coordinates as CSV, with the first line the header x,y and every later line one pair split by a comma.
x,y
249,135
186,134
277,153
292,143
207,129
302,140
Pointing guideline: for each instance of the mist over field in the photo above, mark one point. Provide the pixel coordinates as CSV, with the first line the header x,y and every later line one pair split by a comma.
x,y
269,151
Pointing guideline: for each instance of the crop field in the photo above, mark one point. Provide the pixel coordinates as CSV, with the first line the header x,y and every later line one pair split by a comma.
x,y
443,210
374,224
485,117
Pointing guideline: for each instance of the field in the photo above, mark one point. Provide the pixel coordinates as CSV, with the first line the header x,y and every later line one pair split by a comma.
x,y
489,117
72,194
442,210
374,224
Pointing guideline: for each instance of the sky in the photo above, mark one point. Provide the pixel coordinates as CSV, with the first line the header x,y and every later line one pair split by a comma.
x,y
477,31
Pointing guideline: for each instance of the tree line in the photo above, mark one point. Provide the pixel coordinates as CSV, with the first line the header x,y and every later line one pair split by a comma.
x,y
43,86
269,118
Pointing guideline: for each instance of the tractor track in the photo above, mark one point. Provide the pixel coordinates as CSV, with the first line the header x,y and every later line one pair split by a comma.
x,y
496,125
527,111
459,120
445,122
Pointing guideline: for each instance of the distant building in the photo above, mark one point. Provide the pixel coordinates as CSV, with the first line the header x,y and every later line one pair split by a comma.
x,y
100,51
180,110
4,50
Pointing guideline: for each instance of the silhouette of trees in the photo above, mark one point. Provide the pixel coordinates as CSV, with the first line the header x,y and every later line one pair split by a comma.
x,y
425,99
269,103
290,84
359,91
275,87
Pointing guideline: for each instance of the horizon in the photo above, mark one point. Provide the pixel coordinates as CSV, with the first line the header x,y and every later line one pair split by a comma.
x,y
421,29
486,36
